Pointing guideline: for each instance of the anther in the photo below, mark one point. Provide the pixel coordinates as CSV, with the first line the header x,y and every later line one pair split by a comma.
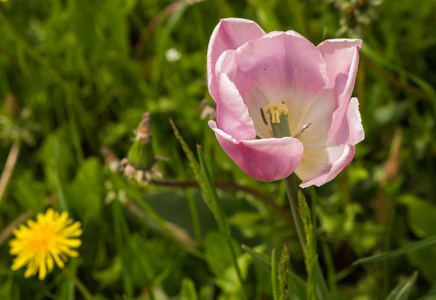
x,y
263,116
279,119
276,111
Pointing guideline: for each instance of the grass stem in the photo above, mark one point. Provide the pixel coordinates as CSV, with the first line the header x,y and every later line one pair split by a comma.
x,y
9,167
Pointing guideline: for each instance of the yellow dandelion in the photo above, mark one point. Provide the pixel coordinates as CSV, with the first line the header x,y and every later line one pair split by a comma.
x,y
39,244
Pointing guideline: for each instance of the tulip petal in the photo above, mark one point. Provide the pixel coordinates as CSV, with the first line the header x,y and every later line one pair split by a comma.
x,y
278,67
332,169
321,165
314,129
232,114
283,59
263,159
342,59
230,33
351,131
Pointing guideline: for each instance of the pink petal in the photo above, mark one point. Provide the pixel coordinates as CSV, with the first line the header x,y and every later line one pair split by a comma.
x,y
313,130
263,159
333,169
230,33
232,114
351,131
321,165
284,60
278,67
342,59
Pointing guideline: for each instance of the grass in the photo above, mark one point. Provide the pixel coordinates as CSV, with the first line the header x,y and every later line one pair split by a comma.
x,y
76,76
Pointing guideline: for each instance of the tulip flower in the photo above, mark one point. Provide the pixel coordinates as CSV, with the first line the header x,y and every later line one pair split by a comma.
x,y
284,105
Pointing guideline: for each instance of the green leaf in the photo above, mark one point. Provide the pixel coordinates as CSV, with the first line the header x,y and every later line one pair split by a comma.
x,y
29,193
390,113
274,273
218,256
110,275
420,259
52,164
188,290
262,259
297,286
402,290
420,215
424,243
84,195
229,281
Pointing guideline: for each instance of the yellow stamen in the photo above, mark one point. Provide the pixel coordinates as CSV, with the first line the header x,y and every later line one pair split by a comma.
x,y
279,119
276,111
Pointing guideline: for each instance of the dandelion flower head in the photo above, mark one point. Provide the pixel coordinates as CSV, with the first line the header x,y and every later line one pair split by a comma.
x,y
42,242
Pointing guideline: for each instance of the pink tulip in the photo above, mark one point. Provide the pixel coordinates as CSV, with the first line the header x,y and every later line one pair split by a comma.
x,y
249,69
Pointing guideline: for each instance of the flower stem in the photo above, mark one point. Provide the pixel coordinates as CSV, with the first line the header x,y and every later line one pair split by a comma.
x,y
80,286
292,190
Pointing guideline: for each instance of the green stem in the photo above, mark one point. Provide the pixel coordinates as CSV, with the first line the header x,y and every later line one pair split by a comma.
x,y
386,262
281,129
235,262
331,277
80,286
292,190
274,279
194,216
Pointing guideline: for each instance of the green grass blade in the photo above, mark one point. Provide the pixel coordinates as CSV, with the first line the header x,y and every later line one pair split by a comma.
x,y
274,278
297,286
59,187
309,249
194,216
195,168
402,290
331,278
219,214
262,259
202,175
424,243
188,290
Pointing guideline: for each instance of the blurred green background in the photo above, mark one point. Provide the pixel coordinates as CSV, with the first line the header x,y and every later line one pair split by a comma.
x,y
76,76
